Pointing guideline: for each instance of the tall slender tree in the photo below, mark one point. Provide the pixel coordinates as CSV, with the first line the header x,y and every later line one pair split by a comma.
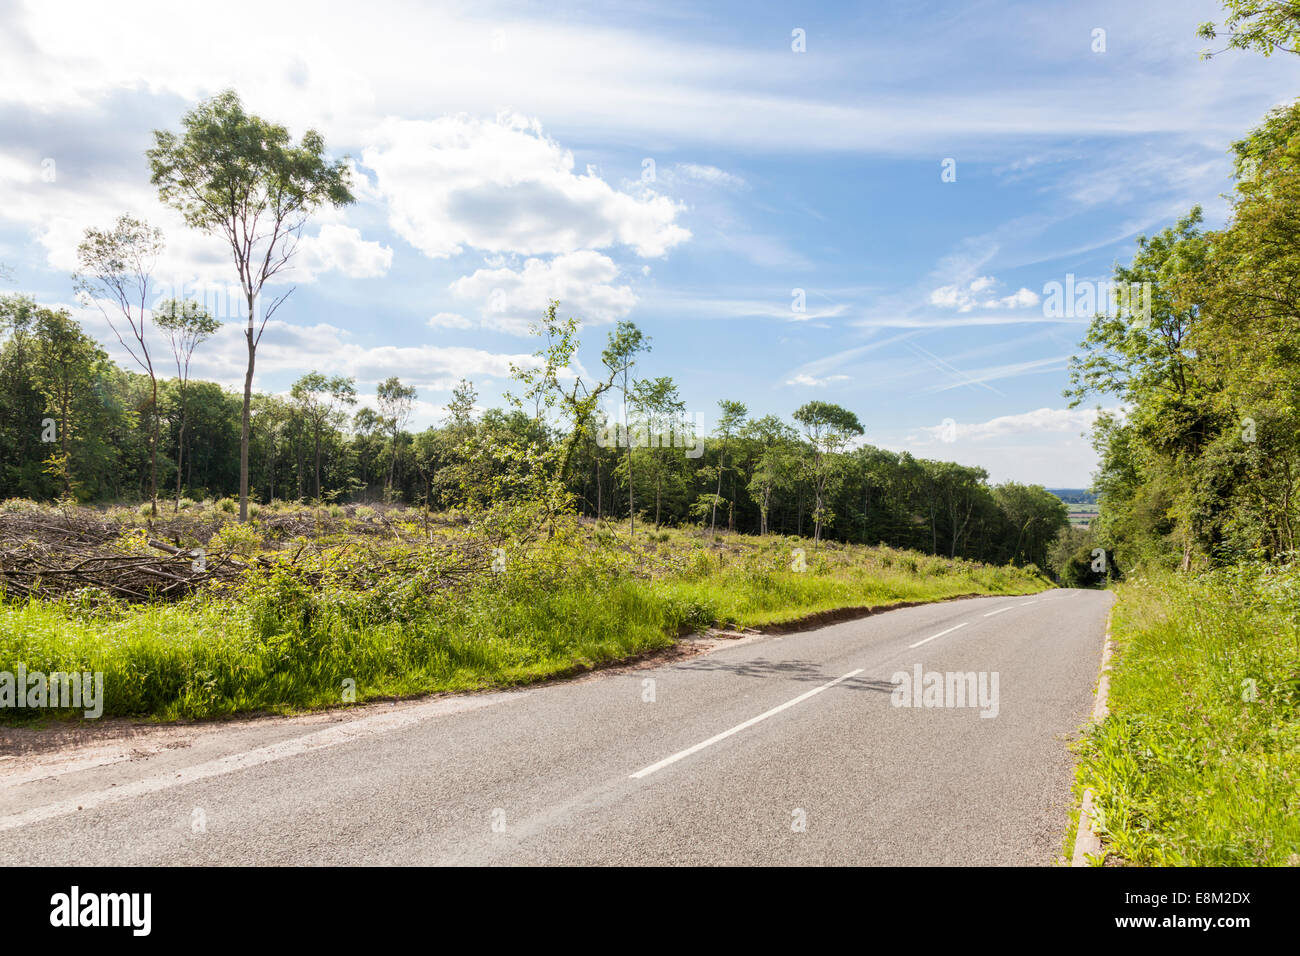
x,y
187,325
235,175
396,402
729,422
322,399
828,428
116,266
626,342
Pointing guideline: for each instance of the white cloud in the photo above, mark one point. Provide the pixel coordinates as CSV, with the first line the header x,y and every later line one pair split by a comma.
x,y
449,320
707,176
809,380
511,300
642,85
971,295
1025,425
502,185
58,212
289,350
340,248
778,306
1048,446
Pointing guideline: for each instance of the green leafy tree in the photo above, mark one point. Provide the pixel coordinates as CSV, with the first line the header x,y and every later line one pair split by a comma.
x,y
625,343
322,401
1148,359
775,468
658,410
20,398
235,175
1037,516
1261,25
187,325
731,417
829,428
396,403
65,366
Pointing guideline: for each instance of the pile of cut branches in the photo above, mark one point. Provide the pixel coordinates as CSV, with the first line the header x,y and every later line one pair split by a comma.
x,y
54,553
54,558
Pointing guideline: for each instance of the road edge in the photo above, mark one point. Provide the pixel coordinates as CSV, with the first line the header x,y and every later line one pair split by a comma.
x,y
1087,843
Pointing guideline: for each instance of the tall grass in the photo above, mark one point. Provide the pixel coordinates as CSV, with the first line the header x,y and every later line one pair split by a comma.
x,y
1199,761
274,643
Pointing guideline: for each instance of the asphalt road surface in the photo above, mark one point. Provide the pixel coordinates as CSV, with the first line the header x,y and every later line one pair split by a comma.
x,y
792,749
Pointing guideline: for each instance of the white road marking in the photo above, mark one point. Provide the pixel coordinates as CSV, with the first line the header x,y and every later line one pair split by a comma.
x,y
940,634
348,732
1009,607
739,727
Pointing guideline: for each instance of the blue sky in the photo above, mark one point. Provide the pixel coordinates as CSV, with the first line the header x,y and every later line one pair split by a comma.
x,y
687,169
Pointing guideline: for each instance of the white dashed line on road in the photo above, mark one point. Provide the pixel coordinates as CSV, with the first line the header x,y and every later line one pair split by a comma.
x,y
940,634
739,727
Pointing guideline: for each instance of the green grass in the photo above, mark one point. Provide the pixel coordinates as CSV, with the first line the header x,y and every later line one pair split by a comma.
x,y
765,590
1198,763
578,600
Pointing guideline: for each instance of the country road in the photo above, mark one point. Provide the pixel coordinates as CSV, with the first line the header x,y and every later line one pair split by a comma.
x,y
763,750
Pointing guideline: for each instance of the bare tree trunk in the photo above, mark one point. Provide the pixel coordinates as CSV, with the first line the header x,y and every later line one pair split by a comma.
x,y
631,485
153,444
713,512
180,456
246,418
392,464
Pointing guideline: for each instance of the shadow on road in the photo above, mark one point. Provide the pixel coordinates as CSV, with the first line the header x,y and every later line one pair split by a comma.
x,y
791,669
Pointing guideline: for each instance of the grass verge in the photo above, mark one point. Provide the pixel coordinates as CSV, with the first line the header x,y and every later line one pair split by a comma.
x,y
1198,762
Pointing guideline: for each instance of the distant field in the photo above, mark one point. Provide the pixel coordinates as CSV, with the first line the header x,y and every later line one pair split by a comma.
x,y
1082,515
1081,504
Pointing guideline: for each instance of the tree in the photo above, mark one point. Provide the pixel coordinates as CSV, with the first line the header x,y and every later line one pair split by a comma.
x,y
65,371
1148,359
729,422
829,428
321,400
460,410
522,443
659,410
578,402
625,343
396,401
1037,516
273,419
20,398
235,175
1247,345
775,466
117,264
1263,25
187,325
